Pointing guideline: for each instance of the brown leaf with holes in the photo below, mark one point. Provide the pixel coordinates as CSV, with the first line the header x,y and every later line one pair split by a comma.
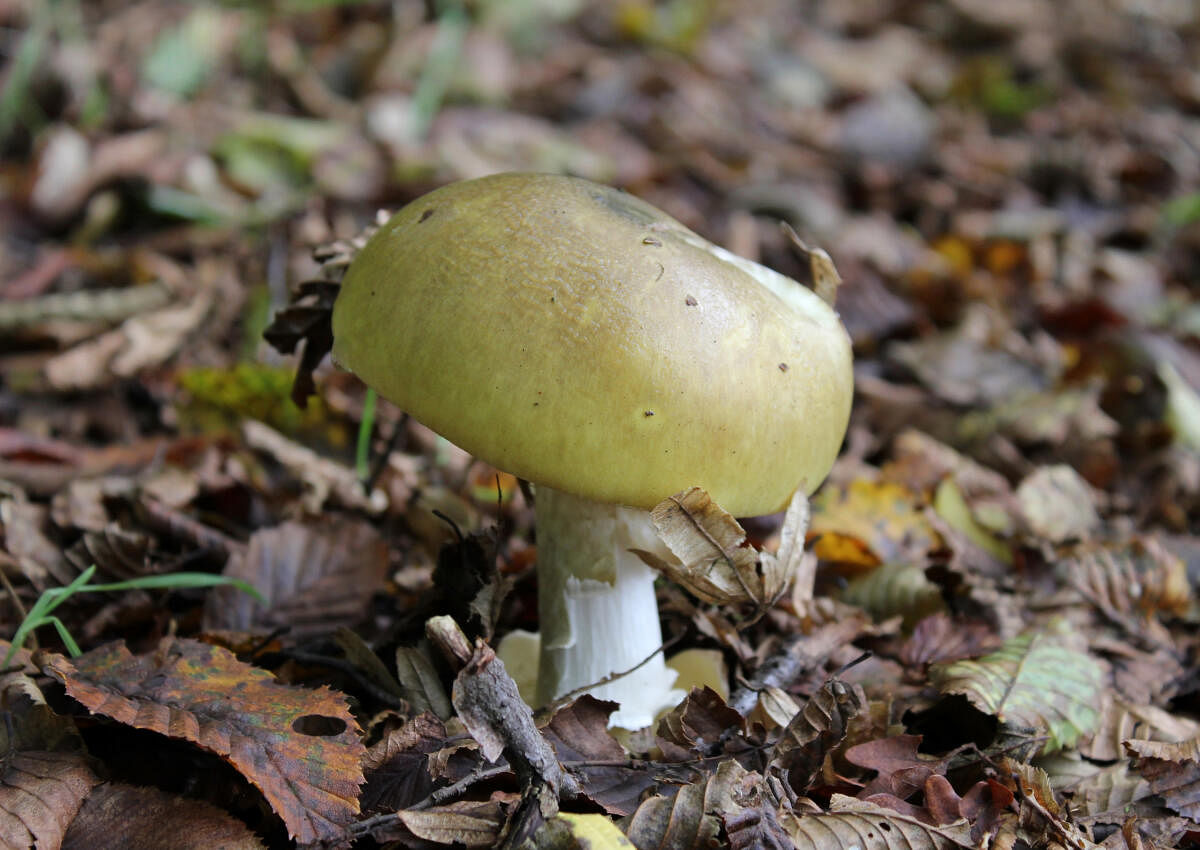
x,y
299,747
117,816
811,735
717,565
314,578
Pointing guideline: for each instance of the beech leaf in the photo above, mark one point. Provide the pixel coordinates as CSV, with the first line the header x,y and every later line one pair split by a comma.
x,y
861,825
203,694
1041,680
717,565
814,731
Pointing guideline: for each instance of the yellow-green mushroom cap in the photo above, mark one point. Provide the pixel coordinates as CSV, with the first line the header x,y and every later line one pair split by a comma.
x,y
576,336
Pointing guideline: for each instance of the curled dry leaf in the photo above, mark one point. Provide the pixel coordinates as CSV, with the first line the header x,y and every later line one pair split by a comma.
x,y
689,818
1173,771
467,823
810,736
716,563
203,694
117,816
1041,680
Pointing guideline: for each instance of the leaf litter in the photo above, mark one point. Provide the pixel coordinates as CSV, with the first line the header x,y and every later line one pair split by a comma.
x,y
1010,530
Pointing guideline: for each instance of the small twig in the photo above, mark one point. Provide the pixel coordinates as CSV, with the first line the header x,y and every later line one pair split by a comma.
x,y
612,677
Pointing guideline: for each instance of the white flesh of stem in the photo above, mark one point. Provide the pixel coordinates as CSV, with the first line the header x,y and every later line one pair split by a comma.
x,y
597,607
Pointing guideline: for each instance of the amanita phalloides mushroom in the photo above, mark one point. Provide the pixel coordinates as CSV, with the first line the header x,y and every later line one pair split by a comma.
x,y
576,336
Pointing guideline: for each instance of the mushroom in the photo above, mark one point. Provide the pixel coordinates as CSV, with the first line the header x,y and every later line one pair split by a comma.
x,y
580,338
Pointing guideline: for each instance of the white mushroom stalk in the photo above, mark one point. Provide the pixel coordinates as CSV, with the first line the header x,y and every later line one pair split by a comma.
x,y
597,607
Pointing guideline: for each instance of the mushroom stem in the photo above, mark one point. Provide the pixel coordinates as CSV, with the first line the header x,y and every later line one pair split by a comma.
x,y
597,607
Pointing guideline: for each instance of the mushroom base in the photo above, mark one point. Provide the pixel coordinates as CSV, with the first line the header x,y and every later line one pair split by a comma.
x,y
598,611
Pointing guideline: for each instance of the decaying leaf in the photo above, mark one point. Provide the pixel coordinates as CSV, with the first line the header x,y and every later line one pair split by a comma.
x,y
1040,680
895,589
396,766
567,831
716,563
868,523
689,819
1130,583
1173,771
1121,720
117,816
810,735
422,685
203,694
466,823
900,768
44,774
580,738
313,577
851,823
1058,504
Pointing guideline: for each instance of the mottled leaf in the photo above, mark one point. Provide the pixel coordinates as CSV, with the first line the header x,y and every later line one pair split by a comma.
x,y
1039,680
205,695
895,589
125,817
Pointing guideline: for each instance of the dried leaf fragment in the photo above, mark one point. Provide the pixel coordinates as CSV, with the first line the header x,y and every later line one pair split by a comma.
x,y
860,824
717,565
814,732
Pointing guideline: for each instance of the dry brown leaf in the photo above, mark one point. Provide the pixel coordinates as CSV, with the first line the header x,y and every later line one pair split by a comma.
x,y
716,563
203,694
580,738
698,723
44,774
468,823
396,766
126,817
1058,504
314,577
1173,770
900,768
813,733
851,823
1121,720
690,818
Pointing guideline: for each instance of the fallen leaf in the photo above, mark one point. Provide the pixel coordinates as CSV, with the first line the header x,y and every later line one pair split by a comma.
x,y
467,823
397,766
581,740
1057,504
117,816
203,694
716,563
868,523
901,769
851,823
1041,680
813,733
1173,771
313,578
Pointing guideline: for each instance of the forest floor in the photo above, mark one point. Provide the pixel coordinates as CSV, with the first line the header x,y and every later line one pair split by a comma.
x,y
1011,194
